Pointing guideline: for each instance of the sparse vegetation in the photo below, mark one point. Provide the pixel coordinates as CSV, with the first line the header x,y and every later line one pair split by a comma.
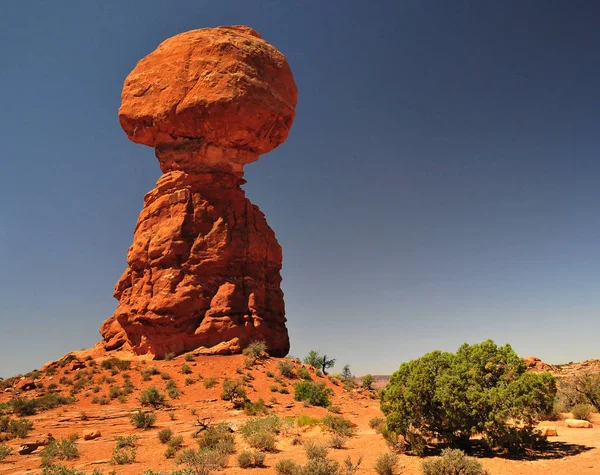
x,y
339,425
60,449
304,373
124,451
249,459
169,356
209,382
202,462
143,420
452,461
315,450
165,435
255,351
316,394
256,408
217,438
5,451
318,361
115,363
286,368
28,407
186,369
152,397
582,411
233,390
385,464
367,381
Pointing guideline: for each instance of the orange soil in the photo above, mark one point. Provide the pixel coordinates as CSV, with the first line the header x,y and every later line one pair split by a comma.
x,y
573,451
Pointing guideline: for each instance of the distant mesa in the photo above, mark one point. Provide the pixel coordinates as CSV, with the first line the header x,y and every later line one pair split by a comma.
x,y
204,267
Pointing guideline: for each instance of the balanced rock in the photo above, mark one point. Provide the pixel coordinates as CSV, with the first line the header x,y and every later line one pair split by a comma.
x,y
204,267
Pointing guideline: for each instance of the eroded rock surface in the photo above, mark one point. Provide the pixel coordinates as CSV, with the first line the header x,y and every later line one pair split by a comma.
x,y
204,267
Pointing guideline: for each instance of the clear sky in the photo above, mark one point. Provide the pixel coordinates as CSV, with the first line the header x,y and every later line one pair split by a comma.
x,y
441,182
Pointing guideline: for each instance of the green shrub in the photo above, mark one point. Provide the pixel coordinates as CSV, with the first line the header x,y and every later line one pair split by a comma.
x,y
216,437
452,461
57,469
479,389
169,356
123,456
377,423
19,428
349,467
245,459
320,466
147,373
385,463
126,441
255,350
114,392
337,441
367,381
270,423
335,409
316,394
164,435
582,411
307,421
339,425
263,441
152,397
5,451
286,368
304,373
61,449
175,442
203,461
256,408
115,363
209,382
142,420
234,391
189,357
186,369
315,450
269,374
286,467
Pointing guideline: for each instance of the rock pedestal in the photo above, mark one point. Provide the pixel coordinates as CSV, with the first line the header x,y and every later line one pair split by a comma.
x,y
204,268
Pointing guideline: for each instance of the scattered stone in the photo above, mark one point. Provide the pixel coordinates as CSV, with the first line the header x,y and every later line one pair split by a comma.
x,y
548,431
204,268
26,385
43,440
578,424
91,434
76,364
27,448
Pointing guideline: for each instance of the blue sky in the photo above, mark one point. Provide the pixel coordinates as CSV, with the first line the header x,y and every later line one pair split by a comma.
x,y
440,183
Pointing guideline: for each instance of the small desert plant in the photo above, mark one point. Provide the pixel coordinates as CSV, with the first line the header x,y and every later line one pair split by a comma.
x,y
175,442
255,351
61,449
316,394
263,441
452,461
286,368
5,451
209,382
315,450
269,374
335,409
189,357
376,423
385,463
217,437
270,423
273,388
337,441
234,391
147,373
124,451
186,369
115,363
248,459
125,441
304,373
320,466
339,425
286,467
169,356
202,462
307,421
367,381
189,381
172,390
152,397
165,435
350,467
255,408
19,428
142,420
582,411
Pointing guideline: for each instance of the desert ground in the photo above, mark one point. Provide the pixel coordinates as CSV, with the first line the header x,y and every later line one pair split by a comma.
x,y
571,451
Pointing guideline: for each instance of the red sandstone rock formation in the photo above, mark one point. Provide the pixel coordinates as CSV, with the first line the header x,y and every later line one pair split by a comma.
x,y
204,265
